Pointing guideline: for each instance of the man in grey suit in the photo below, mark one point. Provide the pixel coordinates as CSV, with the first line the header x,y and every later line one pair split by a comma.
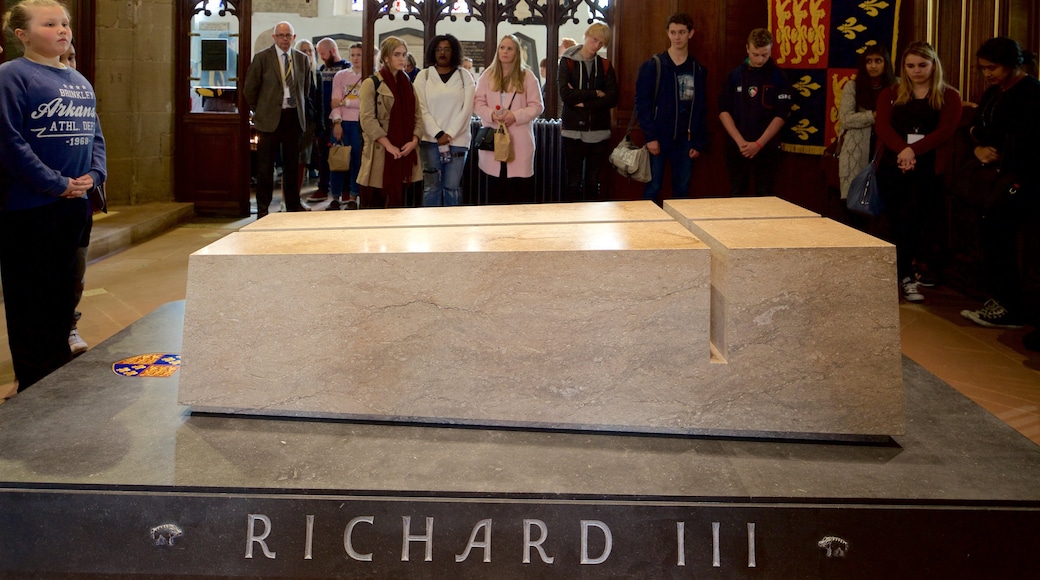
x,y
277,88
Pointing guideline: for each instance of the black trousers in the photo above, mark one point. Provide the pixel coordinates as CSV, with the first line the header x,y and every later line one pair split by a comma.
x,y
508,190
999,230
583,162
321,145
763,167
38,264
376,198
906,197
287,137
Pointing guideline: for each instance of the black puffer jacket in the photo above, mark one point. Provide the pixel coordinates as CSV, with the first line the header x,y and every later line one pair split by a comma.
x,y
577,86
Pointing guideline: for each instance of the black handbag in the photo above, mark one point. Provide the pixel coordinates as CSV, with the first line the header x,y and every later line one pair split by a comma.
x,y
985,185
98,199
485,139
864,196
982,185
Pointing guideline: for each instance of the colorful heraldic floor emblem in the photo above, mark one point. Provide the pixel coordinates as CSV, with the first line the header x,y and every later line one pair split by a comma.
x,y
818,44
148,365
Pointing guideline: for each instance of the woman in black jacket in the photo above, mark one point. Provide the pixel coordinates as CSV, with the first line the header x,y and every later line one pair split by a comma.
x,y
589,90
1006,132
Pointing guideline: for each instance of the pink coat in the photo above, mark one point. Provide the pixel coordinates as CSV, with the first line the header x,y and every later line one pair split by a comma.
x,y
526,107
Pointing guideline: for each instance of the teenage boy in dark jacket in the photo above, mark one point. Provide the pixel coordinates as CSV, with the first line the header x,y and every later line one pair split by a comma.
x,y
672,110
754,104
589,90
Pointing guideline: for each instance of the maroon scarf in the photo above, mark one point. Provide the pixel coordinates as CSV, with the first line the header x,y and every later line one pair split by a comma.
x,y
401,130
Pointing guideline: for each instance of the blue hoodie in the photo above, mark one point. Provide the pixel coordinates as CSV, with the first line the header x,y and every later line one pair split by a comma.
x,y
49,133
673,116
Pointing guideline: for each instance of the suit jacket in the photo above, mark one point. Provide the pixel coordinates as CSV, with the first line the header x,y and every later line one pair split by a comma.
x,y
263,89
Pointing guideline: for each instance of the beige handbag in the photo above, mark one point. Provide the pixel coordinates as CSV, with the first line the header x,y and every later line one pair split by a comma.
x,y
631,161
503,144
339,157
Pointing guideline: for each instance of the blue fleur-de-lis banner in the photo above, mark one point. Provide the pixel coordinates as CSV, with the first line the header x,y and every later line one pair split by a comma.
x,y
818,43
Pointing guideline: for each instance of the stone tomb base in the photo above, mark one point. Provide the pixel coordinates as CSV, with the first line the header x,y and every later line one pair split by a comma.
x,y
687,211
600,325
106,476
547,324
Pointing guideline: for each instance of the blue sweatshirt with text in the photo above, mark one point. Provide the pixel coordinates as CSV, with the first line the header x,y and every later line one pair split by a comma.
x,y
49,133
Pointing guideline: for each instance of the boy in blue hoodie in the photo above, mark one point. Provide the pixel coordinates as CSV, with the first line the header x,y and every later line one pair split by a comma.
x,y
671,107
753,107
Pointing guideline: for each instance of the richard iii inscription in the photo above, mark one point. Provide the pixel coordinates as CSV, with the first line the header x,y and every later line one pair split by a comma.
x,y
536,541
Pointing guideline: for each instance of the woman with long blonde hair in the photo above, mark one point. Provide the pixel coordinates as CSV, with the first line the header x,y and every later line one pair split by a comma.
x,y
914,119
508,93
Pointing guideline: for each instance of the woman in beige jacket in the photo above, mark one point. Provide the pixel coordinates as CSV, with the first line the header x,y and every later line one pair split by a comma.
x,y
391,123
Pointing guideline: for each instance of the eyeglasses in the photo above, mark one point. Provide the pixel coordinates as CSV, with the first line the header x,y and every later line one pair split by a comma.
x,y
284,35
443,49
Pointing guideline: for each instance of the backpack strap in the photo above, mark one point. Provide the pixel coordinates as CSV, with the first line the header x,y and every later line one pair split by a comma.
x,y
657,83
376,81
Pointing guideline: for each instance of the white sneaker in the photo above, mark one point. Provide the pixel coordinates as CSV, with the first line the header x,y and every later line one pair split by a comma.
x,y
76,344
910,291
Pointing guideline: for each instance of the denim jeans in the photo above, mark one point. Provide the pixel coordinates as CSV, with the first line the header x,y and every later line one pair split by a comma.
x,y
678,152
442,181
352,137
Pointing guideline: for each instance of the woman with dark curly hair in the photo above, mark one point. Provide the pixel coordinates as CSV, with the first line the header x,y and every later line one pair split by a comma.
x,y
445,94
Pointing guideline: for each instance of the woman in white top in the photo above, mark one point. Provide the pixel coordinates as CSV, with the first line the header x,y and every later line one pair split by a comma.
x,y
445,94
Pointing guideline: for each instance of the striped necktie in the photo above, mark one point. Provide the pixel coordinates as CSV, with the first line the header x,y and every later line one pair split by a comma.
x,y
288,78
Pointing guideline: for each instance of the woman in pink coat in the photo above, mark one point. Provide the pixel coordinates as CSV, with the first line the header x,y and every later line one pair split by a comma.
x,y
508,92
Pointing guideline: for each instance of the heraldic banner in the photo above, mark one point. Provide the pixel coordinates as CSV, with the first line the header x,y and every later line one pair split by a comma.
x,y
818,44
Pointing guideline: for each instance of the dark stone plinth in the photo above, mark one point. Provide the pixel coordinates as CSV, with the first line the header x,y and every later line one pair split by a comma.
x,y
106,476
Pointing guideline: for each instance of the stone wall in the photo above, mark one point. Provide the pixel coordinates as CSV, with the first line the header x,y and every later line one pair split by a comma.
x,y
134,83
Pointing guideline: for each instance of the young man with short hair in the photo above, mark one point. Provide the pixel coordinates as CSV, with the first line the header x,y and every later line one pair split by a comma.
x,y
589,90
332,63
753,106
671,107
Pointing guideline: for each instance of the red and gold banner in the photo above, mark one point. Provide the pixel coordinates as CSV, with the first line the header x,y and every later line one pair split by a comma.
x,y
818,44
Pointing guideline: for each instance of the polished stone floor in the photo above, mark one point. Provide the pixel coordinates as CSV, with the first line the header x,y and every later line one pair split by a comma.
x,y
85,425
989,366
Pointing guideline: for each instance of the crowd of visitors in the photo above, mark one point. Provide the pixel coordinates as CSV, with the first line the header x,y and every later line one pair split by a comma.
x,y
408,130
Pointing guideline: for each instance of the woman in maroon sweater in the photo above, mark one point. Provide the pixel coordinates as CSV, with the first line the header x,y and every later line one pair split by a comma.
x,y
914,118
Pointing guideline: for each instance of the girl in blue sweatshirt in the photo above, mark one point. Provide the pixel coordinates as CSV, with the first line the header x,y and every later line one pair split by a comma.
x,y
51,154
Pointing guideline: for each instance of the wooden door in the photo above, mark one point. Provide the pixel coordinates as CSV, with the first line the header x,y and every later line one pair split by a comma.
x,y
646,21
213,152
